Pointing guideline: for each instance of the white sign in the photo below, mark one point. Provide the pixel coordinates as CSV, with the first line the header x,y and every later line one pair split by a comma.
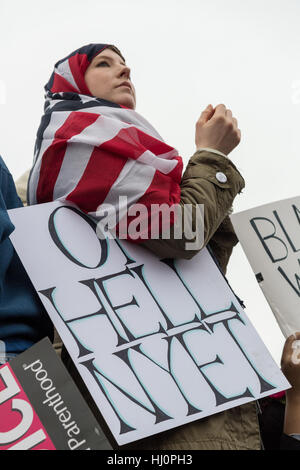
x,y
270,237
159,343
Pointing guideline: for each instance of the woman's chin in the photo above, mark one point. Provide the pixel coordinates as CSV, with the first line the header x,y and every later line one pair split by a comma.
x,y
126,99
127,103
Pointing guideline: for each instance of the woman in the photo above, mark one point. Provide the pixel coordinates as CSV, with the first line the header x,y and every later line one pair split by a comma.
x,y
23,320
90,137
92,148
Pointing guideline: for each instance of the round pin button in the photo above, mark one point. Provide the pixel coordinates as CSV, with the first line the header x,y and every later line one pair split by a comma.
x,y
221,177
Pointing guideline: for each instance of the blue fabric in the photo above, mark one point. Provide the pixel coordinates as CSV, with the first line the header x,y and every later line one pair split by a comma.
x,y
23,320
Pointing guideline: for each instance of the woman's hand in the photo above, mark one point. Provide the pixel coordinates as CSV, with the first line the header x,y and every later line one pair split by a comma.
x,y
217,129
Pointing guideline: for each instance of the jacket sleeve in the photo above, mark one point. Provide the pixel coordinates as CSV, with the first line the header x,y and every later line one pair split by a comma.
x,y
200,185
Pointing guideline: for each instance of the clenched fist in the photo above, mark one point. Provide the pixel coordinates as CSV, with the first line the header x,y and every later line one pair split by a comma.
x,y
218,129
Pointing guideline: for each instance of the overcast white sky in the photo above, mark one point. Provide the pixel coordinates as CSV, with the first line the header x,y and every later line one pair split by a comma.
x,y
183,55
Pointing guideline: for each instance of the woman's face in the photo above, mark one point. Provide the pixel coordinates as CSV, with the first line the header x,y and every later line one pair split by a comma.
x,y
108,77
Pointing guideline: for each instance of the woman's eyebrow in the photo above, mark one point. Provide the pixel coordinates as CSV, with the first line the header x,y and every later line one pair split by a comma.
x,y
107,57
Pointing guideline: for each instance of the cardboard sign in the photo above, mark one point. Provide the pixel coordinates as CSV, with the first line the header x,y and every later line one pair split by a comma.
x,y
159,343
41,408
270,237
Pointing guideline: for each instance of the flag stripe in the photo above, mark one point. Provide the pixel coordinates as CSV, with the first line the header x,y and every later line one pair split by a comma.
x,y
65,71
53,157
45,142
89,193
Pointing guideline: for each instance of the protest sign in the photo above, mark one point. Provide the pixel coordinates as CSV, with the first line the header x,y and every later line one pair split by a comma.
x,y
159,343
41,408
270,237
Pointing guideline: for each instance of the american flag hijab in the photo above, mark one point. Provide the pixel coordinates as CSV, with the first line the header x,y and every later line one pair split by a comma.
x,y
90,151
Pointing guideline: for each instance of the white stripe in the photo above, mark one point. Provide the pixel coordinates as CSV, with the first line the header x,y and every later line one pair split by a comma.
x,y
126,116
56,121
158,162
169,155
74,164
85,99
100,131
64,71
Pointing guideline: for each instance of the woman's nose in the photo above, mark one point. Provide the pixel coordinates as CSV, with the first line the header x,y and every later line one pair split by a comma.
x,y
125,71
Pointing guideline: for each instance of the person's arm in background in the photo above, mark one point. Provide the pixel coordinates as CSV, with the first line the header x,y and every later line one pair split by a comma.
x,y
210,179
290,365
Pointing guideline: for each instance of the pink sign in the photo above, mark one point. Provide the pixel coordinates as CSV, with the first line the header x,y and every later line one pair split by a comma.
x,y
20,426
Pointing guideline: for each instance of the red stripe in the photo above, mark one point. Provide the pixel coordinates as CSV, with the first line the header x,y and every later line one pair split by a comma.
x,y
54,155
164,189
61,84
126,142
176,173
78,64
133,143
154,145
100,174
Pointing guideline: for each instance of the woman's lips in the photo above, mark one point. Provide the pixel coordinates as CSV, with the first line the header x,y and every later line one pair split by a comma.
x,y
125,84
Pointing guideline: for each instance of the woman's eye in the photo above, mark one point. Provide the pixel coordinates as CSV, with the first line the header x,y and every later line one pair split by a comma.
x,y
103,62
